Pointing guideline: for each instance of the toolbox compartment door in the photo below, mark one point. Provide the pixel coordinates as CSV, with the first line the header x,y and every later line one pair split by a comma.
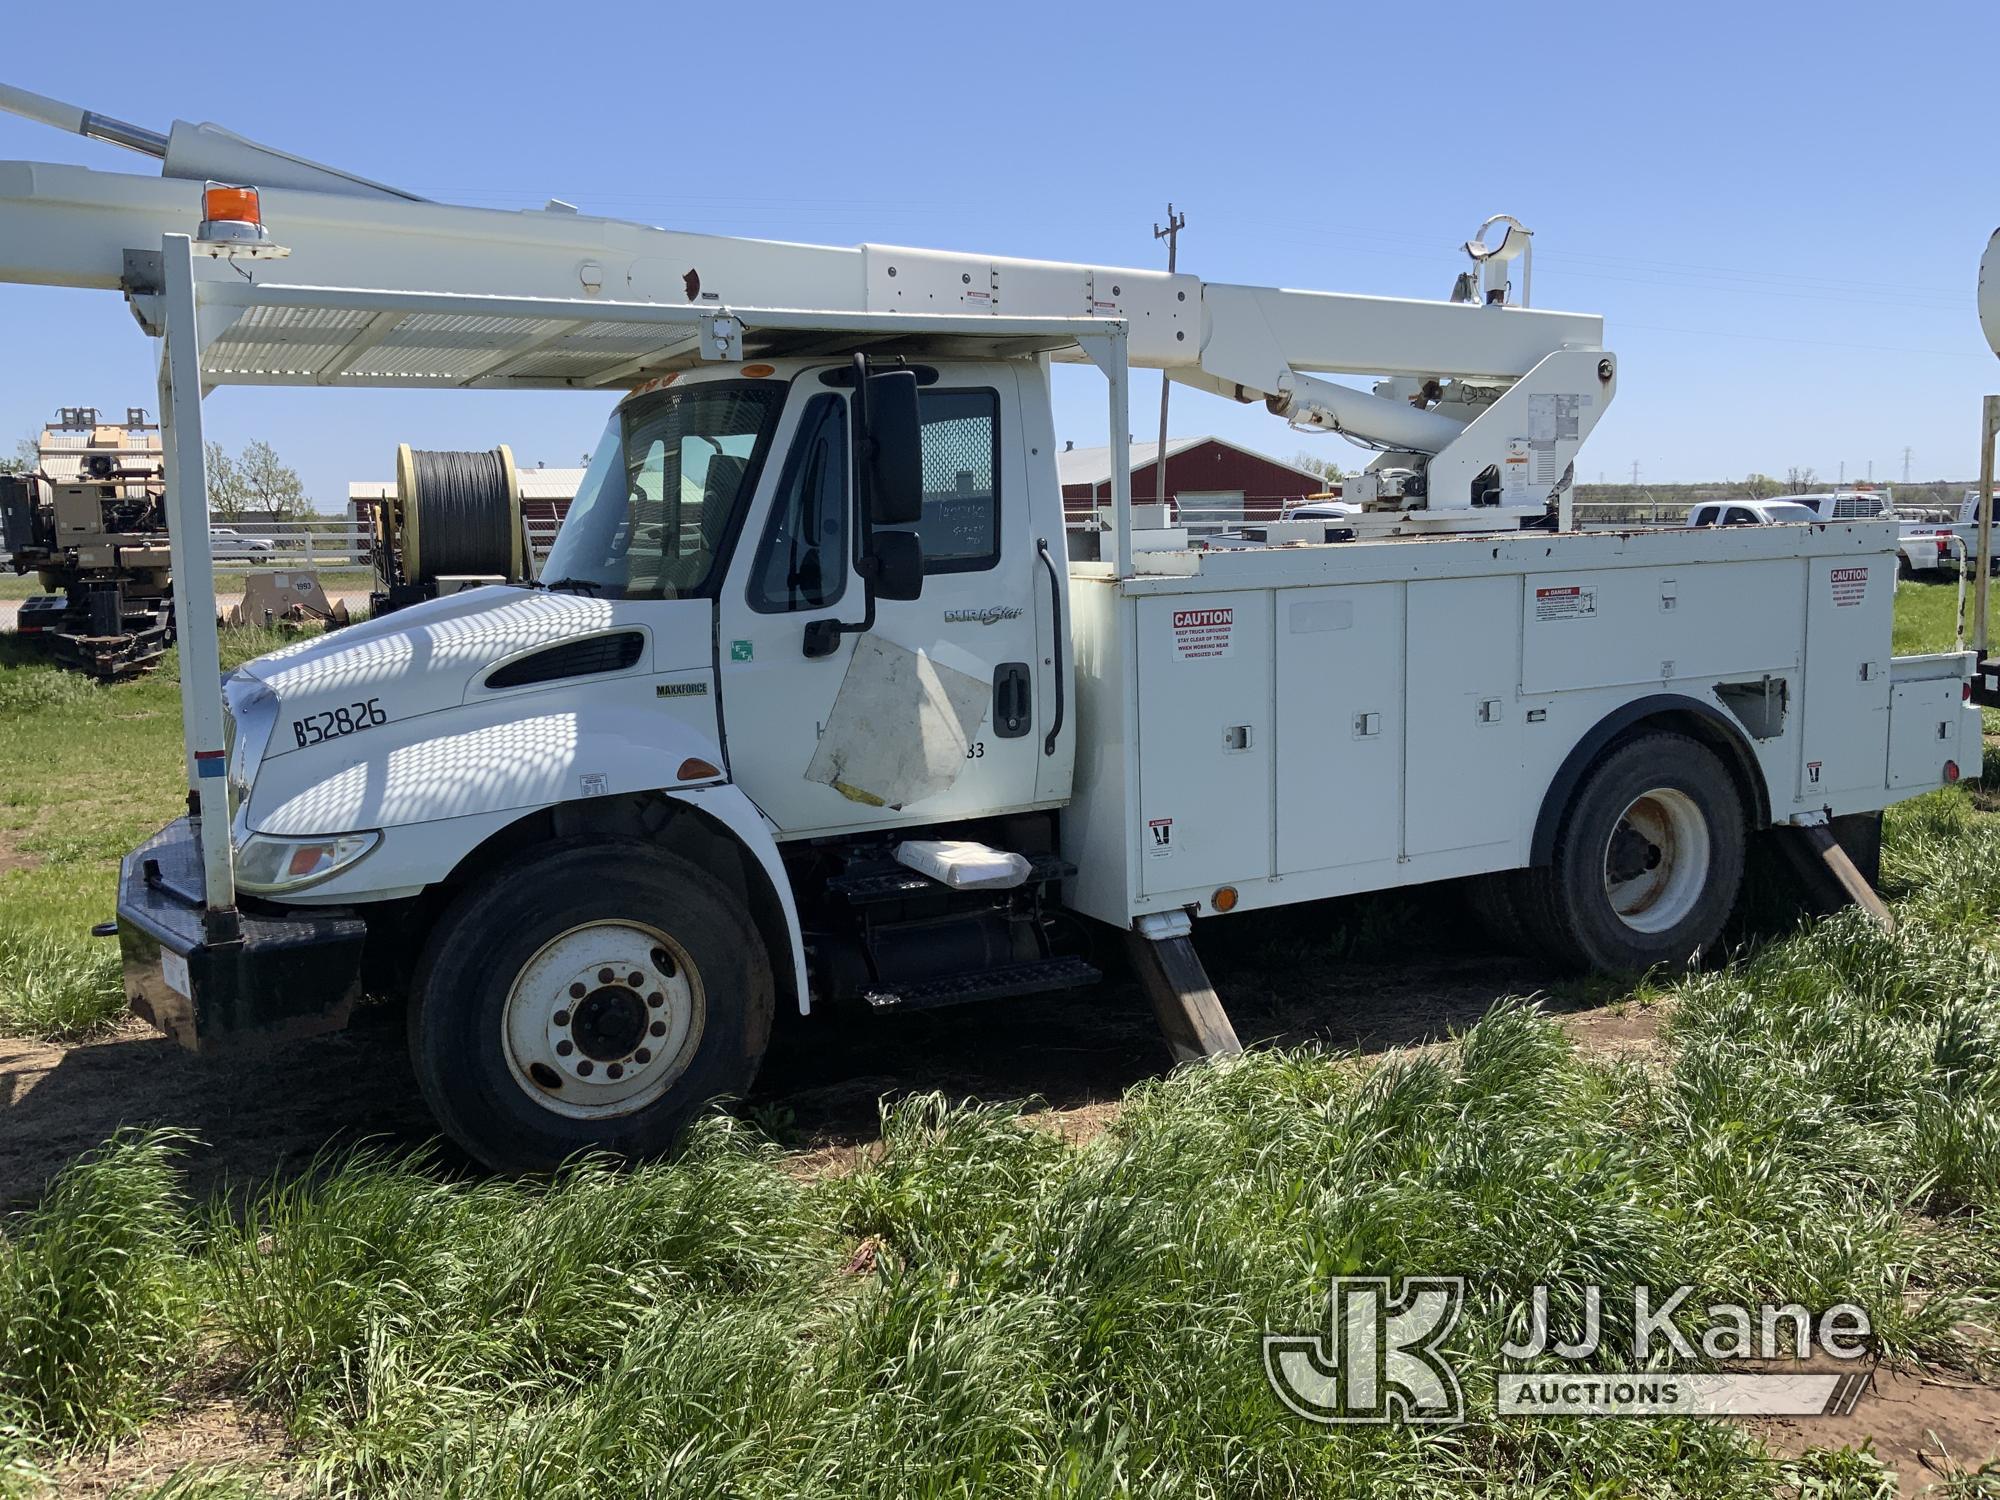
x,y
1462,777
1205,740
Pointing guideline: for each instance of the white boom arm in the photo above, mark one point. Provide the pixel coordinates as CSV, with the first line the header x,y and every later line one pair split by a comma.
x,y
1490,398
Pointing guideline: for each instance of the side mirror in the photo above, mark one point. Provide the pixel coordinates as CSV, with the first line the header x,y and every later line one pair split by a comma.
x,y
893,449
897,565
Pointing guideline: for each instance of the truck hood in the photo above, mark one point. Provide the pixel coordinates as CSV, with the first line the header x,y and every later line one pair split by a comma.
x,y
427,657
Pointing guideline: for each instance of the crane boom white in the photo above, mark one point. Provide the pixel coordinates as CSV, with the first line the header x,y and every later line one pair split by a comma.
x,y
1458,378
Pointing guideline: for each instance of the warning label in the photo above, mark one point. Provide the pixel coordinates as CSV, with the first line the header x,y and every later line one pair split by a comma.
x,y
1570,603
1162,843
1204,634
1850,586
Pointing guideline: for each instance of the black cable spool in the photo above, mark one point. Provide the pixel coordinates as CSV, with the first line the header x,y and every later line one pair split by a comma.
x,y
458,514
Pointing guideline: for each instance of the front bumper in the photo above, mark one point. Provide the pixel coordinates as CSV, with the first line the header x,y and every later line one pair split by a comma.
x,y
274,977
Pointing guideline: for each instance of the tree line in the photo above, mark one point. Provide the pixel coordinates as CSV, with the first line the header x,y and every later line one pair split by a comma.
x,y
254,482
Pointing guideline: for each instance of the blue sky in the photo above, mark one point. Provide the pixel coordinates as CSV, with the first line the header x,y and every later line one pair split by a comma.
x,y
1779,208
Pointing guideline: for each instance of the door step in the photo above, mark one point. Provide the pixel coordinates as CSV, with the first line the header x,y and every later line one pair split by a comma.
x,y
1034,978
865,881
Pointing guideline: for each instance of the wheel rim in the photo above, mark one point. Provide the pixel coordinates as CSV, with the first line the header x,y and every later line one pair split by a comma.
x,y
603,1019
1656,861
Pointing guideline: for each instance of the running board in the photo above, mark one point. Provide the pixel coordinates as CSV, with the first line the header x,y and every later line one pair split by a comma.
x,y
1033,978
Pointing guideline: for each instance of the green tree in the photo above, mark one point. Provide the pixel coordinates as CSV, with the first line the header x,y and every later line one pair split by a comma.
x,y
270,484
1762,487
27,457
1312,463
225,483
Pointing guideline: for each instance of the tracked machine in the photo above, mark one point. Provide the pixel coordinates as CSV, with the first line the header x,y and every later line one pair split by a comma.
x,y
89,519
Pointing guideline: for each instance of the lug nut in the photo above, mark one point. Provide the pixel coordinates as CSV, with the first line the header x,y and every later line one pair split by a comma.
x,y
636,980
577,992
562,1018
614,1071
605,976
585,1068
656,999
564,1048
658,1028
642,1056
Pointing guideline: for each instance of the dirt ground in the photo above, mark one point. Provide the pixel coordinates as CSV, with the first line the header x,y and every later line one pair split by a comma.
x,y
1283,976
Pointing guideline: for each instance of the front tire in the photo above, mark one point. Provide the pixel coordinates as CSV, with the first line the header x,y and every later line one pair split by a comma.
x,y
1648,859
592,998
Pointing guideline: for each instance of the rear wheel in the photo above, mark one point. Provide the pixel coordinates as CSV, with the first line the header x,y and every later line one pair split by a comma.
x,y
1647,862
592,998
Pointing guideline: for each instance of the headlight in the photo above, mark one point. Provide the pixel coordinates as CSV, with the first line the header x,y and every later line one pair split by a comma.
x,y
274,866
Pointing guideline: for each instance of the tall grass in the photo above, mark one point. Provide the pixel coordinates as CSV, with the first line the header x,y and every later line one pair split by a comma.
x,y
95,1296
58,989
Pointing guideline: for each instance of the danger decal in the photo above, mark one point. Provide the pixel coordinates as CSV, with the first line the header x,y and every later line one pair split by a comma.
x,y
1204,634
1850,586
1571,603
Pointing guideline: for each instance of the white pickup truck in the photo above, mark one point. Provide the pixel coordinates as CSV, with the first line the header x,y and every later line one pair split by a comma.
x,y
1923,545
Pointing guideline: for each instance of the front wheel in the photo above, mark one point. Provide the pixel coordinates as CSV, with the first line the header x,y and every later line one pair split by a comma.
x,y
1647,861
593,997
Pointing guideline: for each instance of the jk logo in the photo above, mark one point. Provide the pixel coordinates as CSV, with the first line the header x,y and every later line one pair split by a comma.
x,y
1378,1359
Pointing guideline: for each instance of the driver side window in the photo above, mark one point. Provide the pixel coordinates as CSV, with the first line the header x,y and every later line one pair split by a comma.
x,y
801,562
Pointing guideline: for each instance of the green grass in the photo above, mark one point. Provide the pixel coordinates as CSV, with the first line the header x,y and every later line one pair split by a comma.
x,y
87,769
983,1307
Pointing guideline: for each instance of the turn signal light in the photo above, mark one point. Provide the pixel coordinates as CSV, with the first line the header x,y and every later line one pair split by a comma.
x,y
1950,772
697,770
1224,898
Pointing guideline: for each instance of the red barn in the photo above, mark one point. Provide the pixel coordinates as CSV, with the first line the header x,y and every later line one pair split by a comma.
x,y
1210,482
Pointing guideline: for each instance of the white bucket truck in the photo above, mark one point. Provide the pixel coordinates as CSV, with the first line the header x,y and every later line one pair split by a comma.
x,y
813,608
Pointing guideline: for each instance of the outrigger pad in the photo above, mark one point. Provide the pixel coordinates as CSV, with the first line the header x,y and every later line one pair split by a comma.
x,y
1190,1014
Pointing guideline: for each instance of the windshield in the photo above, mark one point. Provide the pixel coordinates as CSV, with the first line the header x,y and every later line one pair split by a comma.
x,y
661,497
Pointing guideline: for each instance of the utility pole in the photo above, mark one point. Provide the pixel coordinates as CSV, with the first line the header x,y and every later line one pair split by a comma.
x,y
1635,471
1172,235
1906,465
1843,473
1871,471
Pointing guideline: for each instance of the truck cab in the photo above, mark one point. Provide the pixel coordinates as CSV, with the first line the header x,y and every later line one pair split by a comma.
x,y
740,681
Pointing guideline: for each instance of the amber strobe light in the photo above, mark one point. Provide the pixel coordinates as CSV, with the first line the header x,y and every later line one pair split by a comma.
x,y
223,204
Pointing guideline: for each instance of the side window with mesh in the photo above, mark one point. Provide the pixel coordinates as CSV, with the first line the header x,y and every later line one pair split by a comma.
x,y
801,562
961,521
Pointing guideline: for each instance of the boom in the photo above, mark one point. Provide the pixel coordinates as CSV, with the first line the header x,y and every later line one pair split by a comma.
x,y
1483,399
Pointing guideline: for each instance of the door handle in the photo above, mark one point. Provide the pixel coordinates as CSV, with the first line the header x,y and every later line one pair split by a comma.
x,y
1013,704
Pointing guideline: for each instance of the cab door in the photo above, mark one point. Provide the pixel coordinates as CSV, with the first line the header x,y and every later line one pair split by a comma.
x,y
933,713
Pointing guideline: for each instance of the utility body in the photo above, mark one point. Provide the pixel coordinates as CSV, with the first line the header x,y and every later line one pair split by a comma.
x,y
812,659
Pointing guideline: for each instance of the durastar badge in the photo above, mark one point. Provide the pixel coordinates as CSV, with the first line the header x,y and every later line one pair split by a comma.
x,y
990,615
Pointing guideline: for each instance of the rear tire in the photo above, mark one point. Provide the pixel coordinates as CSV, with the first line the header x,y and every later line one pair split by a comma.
x,y
1647,861
593,998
